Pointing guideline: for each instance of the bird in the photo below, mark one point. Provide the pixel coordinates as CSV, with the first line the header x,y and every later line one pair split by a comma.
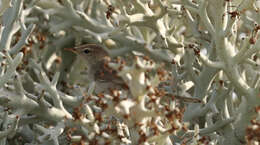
x,y
96,58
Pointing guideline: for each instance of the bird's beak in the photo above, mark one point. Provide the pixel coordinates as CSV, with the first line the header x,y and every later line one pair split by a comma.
x,y
74,50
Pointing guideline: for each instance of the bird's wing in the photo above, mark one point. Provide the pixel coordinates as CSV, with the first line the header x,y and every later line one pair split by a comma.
x,y
105,74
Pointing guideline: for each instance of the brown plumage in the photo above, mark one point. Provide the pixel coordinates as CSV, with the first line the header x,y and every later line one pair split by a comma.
x,y
96,59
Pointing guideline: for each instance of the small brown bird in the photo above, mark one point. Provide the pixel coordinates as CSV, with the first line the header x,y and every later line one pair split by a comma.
x,y
97,59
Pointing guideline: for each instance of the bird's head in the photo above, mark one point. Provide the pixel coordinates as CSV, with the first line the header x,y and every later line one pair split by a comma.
x,y
90,52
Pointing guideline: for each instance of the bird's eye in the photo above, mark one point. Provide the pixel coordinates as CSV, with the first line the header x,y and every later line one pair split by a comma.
x,y
86,51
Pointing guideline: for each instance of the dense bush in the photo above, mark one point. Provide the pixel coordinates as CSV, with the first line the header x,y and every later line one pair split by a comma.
x,y
190,71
